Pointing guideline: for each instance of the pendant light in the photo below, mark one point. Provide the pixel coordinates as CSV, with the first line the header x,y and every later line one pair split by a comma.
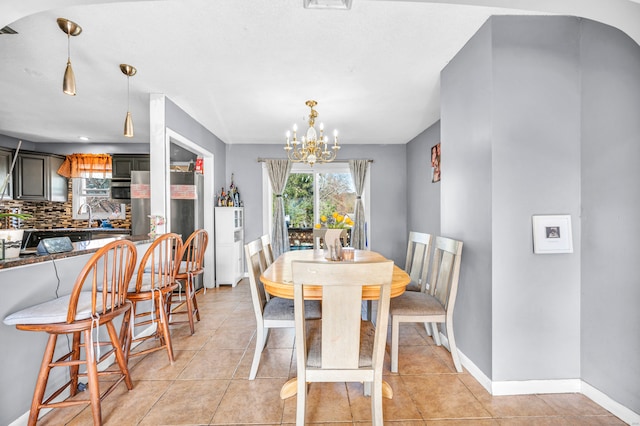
x,y
71,29
129,71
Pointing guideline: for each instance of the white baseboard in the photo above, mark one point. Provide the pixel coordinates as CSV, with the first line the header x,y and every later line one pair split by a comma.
x,y
529,387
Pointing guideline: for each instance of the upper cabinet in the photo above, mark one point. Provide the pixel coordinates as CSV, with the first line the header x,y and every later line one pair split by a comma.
x,y
37,178
5,164
123,164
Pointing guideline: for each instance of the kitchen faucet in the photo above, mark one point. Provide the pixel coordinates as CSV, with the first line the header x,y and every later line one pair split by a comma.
x,y
90,211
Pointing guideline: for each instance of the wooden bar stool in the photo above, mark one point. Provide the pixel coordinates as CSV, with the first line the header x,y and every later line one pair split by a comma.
x,y
155,281
191,266
98,297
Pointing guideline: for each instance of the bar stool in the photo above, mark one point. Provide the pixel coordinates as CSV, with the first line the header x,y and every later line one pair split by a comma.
x,y
155,282
97,298
191,266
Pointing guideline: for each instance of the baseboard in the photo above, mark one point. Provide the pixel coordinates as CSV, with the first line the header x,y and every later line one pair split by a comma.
x,y
529,387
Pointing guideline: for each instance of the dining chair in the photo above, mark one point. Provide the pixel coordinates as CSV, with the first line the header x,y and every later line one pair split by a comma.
x,y
434,305
341,347
274,312
267,250
191,266
97,299
417,261
154,285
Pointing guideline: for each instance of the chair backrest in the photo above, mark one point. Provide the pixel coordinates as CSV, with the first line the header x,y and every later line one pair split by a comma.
x,y
445,271
341,311
106,275
253,255
267,249
193,252
418,256
160,263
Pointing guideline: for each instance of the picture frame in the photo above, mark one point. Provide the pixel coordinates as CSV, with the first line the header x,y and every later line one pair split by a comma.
x,y
552,234
435,163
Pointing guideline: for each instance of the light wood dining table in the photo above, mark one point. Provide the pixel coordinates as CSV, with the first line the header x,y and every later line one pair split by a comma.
x,y
277,281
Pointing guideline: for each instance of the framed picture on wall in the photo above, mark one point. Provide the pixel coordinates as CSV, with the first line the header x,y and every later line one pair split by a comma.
x,y
552,234
435,163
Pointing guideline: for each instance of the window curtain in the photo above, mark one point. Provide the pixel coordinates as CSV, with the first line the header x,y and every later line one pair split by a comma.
x,y
86,166
278,174
358,170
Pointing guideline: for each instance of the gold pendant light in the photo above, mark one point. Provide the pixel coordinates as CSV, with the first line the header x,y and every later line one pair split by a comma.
x,y
71,29
129,71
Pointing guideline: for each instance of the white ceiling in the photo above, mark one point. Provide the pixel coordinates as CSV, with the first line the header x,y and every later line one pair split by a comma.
x,y
244,69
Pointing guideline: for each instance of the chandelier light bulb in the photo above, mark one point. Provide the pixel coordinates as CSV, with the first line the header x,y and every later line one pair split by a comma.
x,y
70,28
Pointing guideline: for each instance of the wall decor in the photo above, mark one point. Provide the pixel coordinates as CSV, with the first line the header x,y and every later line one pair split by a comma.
x,y
552,234
435,163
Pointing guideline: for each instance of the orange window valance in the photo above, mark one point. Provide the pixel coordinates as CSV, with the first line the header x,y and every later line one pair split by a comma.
x,y
86,166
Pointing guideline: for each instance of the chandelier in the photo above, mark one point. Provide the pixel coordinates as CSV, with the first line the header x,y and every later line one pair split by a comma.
x,y
312,149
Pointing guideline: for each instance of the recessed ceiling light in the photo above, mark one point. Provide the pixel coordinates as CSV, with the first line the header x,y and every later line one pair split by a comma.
x,y
83,138
327,4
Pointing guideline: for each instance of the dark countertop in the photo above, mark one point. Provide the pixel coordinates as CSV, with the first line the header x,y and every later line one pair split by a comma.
x,y
79,248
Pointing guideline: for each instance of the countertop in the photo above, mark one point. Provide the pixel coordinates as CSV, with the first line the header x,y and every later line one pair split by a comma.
x,y
80,247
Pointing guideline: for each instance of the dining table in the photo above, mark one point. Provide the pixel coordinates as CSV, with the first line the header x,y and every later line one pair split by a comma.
x,y
277,280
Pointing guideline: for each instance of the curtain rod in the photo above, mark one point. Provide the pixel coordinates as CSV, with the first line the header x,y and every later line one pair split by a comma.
x,y
262,160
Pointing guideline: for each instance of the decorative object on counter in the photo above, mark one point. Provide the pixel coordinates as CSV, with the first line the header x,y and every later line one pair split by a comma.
x,y
230,198
129,71
313,149
154,222
70,28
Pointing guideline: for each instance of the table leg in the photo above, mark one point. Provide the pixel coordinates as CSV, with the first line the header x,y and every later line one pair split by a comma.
x,y
289,389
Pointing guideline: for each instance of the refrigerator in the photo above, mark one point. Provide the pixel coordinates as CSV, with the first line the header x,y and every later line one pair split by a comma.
x,y
187,204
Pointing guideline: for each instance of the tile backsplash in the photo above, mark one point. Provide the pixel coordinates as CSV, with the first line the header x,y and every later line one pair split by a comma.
x,y
50,215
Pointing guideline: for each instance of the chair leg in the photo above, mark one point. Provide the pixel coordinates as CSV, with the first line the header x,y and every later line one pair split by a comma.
x,y
190,303
436,333
73,369
163,324
301,401
92,378
43,377
453,348
427,328
376,404
261,339
120,358
395,331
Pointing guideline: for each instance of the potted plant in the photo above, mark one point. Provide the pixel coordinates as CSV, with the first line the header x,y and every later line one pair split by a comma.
x,y
10,237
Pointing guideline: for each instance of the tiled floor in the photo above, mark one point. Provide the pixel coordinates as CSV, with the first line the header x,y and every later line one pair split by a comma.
x,y
208,384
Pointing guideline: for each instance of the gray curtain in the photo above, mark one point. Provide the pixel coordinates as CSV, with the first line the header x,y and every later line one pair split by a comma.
x,y
278,174
358,170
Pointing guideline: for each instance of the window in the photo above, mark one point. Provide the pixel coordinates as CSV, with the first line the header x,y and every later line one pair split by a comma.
x,y
313,192
96,192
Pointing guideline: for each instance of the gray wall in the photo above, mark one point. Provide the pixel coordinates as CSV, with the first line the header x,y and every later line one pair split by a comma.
x,y
540,116
466,197
388,187
610,318
423,207
179,121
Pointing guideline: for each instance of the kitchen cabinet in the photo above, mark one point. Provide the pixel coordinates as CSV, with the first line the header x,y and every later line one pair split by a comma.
x,y
123,164
229,245
37,179
5,165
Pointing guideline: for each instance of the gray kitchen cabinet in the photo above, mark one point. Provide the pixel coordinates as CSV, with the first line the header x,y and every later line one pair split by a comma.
x,y
37,178
5,165
122,165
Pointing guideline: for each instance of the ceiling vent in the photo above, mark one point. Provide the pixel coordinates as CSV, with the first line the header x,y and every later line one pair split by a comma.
x,y
327,4
7,30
